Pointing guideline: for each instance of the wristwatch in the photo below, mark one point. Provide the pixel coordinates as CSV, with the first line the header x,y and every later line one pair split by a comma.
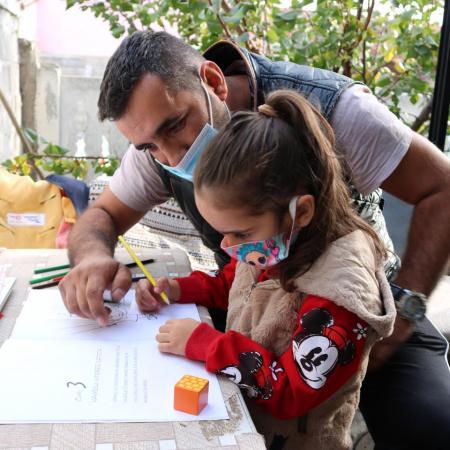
x,y
410,305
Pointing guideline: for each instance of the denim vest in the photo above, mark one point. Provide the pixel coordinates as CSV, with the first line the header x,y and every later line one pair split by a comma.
x,y
321,87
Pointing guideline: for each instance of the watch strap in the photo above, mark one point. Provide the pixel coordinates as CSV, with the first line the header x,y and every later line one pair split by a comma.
x,y
396,291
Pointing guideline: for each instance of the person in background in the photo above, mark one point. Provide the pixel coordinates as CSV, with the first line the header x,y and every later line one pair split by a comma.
x,y
166,98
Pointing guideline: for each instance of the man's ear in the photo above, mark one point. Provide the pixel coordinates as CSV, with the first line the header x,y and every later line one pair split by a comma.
x,y
213,77
306,207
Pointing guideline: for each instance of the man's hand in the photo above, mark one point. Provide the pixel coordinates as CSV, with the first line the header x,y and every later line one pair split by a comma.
x,y
91,246
174,334
383,350
82,288
148,297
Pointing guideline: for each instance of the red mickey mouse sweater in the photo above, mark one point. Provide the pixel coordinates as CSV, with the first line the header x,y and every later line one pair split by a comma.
x,y
317,362
303,352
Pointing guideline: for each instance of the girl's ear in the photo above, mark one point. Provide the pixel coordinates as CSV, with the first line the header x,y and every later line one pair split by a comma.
x,y
306,207
213,77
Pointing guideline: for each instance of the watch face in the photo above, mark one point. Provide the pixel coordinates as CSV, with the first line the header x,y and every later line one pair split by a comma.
x,y
413,307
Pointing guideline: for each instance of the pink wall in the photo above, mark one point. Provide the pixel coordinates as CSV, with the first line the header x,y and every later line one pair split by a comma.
x,y
71,32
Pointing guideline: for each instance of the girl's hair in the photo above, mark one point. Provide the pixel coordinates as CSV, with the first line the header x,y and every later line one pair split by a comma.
x,y
260,160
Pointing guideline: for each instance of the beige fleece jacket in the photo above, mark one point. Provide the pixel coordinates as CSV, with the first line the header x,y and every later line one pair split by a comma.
x,y
346,274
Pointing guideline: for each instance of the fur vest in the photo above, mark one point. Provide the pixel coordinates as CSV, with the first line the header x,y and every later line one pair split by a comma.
x,y
346,274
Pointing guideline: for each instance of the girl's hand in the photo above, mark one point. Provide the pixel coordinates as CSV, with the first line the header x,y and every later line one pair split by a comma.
x,y
174,334
148,298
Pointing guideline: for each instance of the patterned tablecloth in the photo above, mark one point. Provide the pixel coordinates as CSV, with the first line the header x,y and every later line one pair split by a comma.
x,y
236,433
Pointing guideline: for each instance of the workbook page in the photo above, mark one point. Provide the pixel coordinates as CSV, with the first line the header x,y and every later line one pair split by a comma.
x,y
126,322
60,368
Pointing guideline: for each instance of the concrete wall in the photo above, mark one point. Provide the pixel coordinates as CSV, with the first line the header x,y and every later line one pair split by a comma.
x,y
63,54
66,106
9,76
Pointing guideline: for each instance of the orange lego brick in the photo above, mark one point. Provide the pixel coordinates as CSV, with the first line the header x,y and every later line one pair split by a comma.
x,y
191,394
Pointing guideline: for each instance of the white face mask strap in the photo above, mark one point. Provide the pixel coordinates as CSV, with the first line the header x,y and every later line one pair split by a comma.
x,y
293,206
228,111
208,99
293,210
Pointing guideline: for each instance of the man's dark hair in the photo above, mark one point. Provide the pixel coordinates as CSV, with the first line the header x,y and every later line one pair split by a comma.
x,y
158,53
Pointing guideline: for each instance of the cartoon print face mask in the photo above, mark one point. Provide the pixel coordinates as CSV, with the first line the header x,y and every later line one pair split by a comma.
x,y
185,168
266,252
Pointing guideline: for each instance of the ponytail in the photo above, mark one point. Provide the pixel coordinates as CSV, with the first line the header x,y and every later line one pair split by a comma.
x,y
260,160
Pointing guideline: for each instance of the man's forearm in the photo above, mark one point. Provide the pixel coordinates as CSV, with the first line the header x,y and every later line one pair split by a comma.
x,y
94,232
428,249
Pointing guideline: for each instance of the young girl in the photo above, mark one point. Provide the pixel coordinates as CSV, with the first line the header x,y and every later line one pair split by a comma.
x,y
305,291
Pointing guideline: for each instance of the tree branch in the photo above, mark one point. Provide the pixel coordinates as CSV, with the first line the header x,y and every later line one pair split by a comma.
x,y
423,116
226,8
222,23
360,8
26,145
375,73
369,15
40,156
128,20
366,26
348,51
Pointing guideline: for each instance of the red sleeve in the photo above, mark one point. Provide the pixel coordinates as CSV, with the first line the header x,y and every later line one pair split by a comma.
x,y
325,352
208,290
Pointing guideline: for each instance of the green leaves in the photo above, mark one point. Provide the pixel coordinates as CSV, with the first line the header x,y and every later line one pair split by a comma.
x,y
55,159
53,150
391,45
235,15
106,165
20,164
117,30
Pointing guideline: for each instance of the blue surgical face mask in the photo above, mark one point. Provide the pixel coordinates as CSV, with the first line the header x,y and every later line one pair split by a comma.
x,y
185,168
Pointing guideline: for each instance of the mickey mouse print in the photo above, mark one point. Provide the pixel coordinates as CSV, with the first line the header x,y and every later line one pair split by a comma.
x,y
320,347
324,352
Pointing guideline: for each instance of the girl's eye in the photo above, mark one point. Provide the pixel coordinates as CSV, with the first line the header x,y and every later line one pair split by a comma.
x,y
241,235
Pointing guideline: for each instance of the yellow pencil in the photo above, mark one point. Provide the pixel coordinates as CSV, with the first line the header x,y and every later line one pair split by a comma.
x,y
142,267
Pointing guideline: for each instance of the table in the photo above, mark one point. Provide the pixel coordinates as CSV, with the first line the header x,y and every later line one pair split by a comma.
x,y
235,433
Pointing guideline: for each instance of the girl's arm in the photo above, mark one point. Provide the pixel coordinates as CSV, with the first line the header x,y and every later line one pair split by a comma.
x,y
208,290
325,351
198,287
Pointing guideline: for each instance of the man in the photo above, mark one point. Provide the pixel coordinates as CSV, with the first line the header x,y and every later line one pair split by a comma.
x,y
161,93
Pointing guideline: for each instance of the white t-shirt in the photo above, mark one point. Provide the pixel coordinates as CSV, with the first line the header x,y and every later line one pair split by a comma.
x,y
371,140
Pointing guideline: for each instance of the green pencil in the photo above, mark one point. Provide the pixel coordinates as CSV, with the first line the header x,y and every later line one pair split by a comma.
x,y
67,266
49,277
52,268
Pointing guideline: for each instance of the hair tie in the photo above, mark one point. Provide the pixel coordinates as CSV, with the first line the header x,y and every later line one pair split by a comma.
x,y
267,110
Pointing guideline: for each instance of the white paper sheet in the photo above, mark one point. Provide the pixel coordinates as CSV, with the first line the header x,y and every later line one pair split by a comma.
x,y
6,284
5,289
60,368
127,323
